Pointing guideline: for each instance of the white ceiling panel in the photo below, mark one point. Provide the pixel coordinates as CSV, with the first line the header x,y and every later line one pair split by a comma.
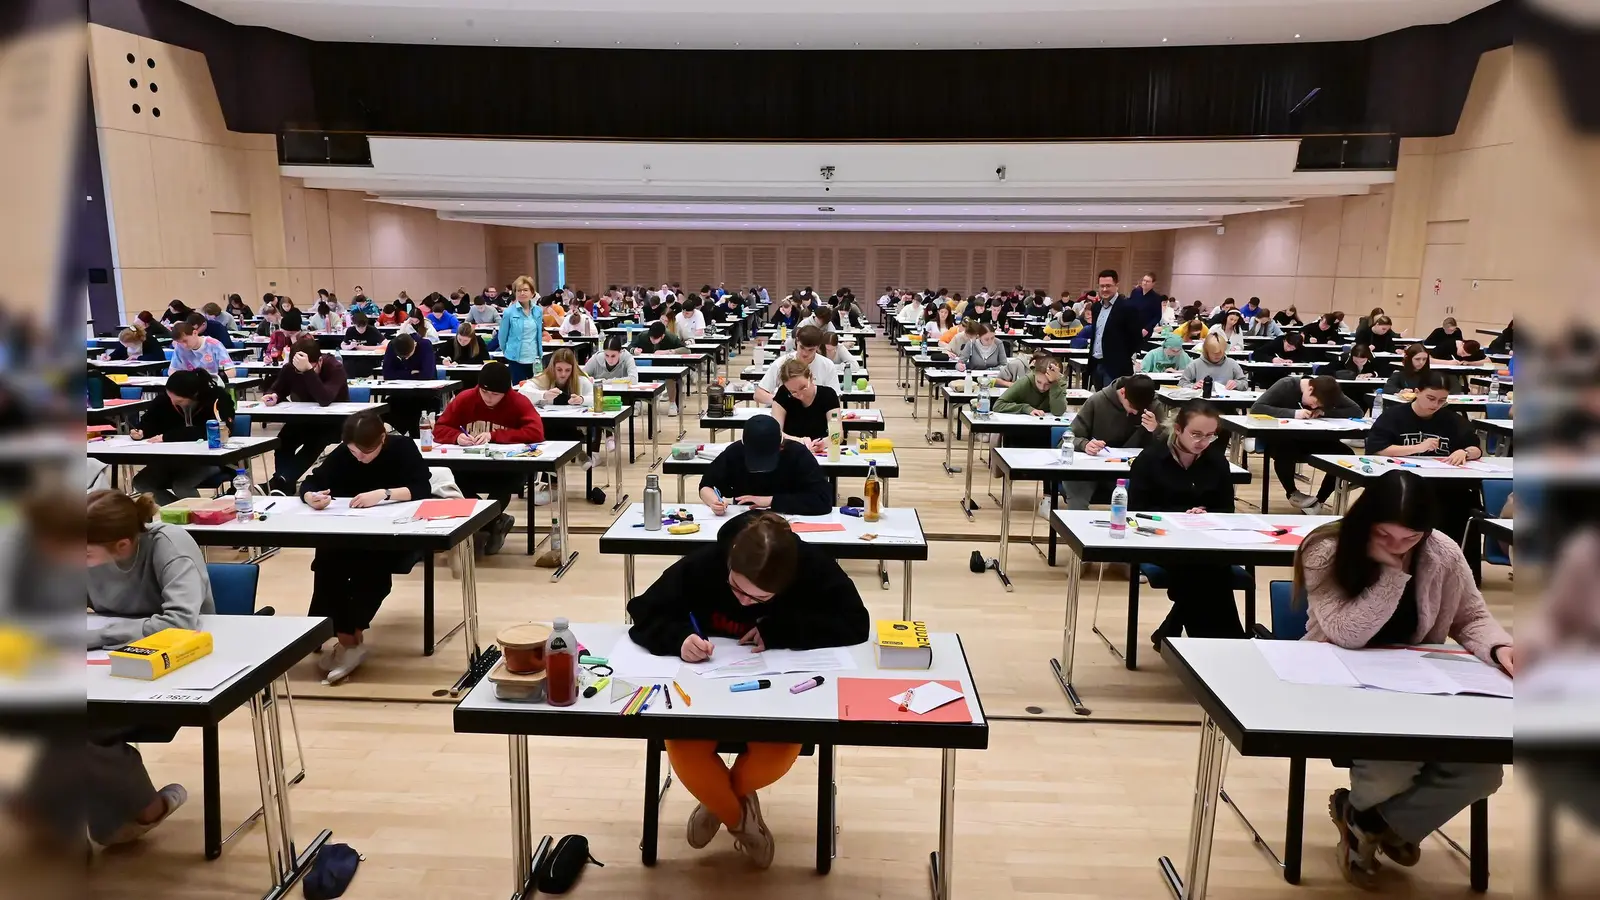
x,y
837,24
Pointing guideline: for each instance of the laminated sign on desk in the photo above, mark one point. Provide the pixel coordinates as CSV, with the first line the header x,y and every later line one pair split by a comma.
x,y
880,699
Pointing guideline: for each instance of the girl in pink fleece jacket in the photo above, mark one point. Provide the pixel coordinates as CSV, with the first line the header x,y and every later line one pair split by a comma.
x,y
1383,575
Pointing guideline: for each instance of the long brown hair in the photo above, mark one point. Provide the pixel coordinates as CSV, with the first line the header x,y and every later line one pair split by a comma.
x,y
1411,353
113,516
765,552
564,356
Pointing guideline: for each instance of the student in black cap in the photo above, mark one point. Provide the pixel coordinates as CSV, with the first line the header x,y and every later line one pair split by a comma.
x,y
764,470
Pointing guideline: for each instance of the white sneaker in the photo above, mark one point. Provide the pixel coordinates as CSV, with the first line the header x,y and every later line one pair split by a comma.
x,y
703,826
173,796
672,409
1044,507
541,496
752,837
329,657
611,443
591,462
350,660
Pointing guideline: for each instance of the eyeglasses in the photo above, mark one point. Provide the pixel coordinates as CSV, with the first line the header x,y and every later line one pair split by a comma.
x,y
1200,437
743,594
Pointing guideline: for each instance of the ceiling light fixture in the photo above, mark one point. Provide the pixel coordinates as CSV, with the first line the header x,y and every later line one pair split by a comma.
x,y
1163,40
1297,37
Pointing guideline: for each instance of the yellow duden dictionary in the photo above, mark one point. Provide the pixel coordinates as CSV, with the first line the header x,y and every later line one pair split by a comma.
x,y
904,645
151,657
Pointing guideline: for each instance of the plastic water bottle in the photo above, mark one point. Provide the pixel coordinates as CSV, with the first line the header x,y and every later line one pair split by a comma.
x,y
1377,404
1065,457
244,503
983,398
1119,509
425,434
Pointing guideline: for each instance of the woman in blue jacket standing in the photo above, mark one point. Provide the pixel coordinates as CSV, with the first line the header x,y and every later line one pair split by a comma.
x,y
521,332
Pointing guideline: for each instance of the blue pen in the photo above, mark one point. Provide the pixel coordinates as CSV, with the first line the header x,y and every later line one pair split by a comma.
x,y
695,624
648,697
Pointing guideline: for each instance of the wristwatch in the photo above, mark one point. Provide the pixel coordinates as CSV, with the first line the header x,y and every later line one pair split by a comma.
x,y
387,494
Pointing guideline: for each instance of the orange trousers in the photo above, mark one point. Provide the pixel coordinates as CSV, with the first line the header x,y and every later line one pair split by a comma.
x,y
702,771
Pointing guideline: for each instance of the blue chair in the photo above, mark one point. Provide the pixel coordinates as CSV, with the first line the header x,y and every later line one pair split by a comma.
x,y
1495,411
1288,622
128,392
169,352
360,394
233,588
1495,495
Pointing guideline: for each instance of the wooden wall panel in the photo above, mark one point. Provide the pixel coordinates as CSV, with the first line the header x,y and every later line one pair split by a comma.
x,y
616,265
579,264
1007,268
319,247
799,268
700,267
918,265
296,229
675,269
1112,258
184,210
463,245
979,279
510,262
1080,270
736,267
887,265
954,269
131,188
764,266
1035,268
348,231
826,283
852,262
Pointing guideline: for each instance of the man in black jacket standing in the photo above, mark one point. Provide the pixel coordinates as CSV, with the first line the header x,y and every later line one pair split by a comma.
x,y
1119,331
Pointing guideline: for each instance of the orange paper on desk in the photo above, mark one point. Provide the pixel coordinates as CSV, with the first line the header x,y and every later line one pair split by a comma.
x,y
814,527
867,700
445,509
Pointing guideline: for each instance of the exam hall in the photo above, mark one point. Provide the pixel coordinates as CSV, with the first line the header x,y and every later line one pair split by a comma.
x,y
875,349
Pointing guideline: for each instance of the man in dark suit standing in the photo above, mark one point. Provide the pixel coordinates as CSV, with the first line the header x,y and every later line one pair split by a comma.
x,y
1148,300
1118,333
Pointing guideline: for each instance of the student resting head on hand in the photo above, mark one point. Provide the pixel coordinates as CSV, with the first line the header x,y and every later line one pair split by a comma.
x,y
763,586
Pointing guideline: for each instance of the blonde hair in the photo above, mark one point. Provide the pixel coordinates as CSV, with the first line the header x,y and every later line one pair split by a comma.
x,y
521,282
793,368
571,359
132,335
1214,343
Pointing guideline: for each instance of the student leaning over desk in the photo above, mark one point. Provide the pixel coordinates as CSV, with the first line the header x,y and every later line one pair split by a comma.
x,y
1121,414
1383,575
146,577
764,586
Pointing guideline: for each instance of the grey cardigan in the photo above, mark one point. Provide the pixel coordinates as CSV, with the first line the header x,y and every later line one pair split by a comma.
x,y
164,585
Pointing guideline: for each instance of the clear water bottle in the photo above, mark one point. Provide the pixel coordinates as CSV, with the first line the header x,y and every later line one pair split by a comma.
x,y
652,503
555,536
244,503
1065,457
1377,404
983,398
425,433
1119,509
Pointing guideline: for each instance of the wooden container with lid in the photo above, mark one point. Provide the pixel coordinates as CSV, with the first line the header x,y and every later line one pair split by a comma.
x,y
523,647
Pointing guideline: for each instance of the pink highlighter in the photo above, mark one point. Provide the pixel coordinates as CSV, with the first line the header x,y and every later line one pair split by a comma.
x,y
807,685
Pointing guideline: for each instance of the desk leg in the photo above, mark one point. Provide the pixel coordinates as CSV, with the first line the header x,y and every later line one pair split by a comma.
x,y
1266,475
616,484
1343,500
1478,840
905,600
826,808
652,801
285,865
569,556
630,439
950,437
680,488
655,438
521,818
428,645
469,598
1209,771
627,586
533,518
211,774
1062,667
966,497
941,862
1055,490
1005,532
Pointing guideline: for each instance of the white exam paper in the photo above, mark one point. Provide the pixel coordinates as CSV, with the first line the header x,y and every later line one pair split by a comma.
x,y
926,698
629,660
1306,662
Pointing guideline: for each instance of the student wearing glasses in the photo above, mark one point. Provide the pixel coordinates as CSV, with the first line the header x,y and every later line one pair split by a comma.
x,y
1382,575
761,585
1178,474
1305,397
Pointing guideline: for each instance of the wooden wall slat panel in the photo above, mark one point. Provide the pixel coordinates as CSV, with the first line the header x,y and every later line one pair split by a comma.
x,y
1036,268
579,265
980,270
1007,268
886,266
764,267
852,272
736,267
675,269
825,276
648,267
799,268
617,266
953,269
1113,258
699,267
918,265
1080,270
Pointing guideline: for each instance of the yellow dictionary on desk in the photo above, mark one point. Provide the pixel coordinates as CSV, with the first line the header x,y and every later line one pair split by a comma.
x,y
151,657
904,645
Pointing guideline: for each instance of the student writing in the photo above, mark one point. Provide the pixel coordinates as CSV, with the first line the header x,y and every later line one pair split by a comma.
x,y
764,470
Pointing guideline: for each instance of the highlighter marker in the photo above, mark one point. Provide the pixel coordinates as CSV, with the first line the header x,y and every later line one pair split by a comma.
x,y
597,687
758,685
807,685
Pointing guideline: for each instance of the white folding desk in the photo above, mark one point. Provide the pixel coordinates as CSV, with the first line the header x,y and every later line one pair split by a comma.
x,y
499,459
1222,398
745,387
153,383
1496,428
1361,469
122,451
265,648
304,410
1498,529
1088,539
899,530
1044,464
646,392
439,387
1003,424
1277,431
583,417
851,463
129,365
1246,705
853,421
290,523
1462,402
772,715
114,408
956,396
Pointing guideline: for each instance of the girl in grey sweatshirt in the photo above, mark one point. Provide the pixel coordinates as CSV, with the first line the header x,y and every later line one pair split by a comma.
x,y
1215,363
976,355
144,576
612,363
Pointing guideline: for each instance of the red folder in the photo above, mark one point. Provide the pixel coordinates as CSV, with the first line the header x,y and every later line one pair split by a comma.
x,y
445,509
867,700
1292,539
814,527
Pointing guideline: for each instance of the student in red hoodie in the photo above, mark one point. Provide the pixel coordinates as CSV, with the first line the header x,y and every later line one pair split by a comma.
x,y
492,413
309,376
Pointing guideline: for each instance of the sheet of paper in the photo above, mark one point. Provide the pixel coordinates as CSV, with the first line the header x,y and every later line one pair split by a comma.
x,y
926,698
1194,521
1489,465
629,660
825,659
1229,536
99,657
1113,452
725,652
1423,462
1473,676
340,506
1402,671
205,674
1306,662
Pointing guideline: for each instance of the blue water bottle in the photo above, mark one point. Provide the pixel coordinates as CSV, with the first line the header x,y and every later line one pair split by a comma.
x,y
213,434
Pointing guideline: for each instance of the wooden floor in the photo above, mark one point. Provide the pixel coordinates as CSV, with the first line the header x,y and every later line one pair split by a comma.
x,y
1059,806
